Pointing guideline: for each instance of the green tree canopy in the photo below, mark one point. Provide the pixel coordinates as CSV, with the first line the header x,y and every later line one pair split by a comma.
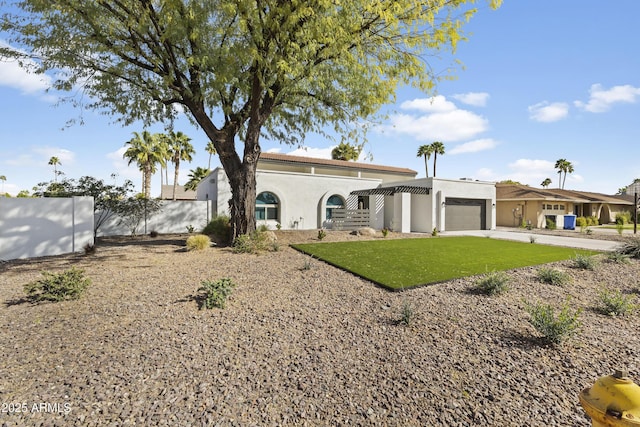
x,y
238,68
346,151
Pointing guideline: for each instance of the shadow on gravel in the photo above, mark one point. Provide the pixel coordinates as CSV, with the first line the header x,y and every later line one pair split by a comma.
x,y
140,241
525,342
18,301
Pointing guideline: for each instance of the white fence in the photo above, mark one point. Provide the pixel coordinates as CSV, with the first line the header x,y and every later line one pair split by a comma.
x,y
350,219
35,227
32,227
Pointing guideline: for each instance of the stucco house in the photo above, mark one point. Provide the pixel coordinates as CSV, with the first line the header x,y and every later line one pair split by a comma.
x,y
307,193
518,203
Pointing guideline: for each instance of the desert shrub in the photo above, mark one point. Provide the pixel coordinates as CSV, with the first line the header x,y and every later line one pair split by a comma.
x,y
68,285
253,242
308,264
581,221
153,234
593,220
623,218
220,228
494,283
385,232
615,303
190,228
553,328
551,225
618,258
434,232
619,228
553,276
215,293
321,234
407,313
630,247
584,262
198,242
278,226
89,249
262,228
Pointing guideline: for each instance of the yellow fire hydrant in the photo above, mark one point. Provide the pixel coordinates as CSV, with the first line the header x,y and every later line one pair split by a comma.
x,y
613,401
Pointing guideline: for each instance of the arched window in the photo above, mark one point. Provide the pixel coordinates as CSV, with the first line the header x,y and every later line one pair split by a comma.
x,y
333,202
266,206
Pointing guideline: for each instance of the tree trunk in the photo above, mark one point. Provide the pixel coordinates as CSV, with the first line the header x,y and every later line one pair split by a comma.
x,y
435,157
147,181
175,177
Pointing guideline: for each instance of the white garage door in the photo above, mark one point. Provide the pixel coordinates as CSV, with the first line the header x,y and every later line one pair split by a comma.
x,y
465,214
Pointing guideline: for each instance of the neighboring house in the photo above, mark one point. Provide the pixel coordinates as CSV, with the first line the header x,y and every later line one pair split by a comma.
x,y
301,192
304,193
166,193
518,203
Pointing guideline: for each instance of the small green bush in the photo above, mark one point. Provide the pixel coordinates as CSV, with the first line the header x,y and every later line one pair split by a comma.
x,y
68,285
198,242
615,303
321,234
581,222
623,218
434,232
190,228
254,242
584,262
551,225
215,293
618,258
220,228
553,328
494,283
407,313
593,220
553,276
385,232
630,247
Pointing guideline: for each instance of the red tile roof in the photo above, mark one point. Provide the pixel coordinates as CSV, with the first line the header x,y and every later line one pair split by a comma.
x,y
340,164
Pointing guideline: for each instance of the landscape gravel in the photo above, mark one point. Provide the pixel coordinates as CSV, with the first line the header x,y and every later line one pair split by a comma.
x,y
312,346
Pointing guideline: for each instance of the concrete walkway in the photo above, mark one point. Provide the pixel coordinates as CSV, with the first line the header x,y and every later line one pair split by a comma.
x,y
543,239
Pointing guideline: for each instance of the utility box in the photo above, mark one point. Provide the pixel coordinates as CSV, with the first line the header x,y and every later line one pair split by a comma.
x,y
569,222
613,401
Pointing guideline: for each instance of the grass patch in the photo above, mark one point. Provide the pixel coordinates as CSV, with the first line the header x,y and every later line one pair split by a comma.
x,y
404,263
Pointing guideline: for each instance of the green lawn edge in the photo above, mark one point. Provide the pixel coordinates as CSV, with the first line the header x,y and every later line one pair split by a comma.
x,y
398,264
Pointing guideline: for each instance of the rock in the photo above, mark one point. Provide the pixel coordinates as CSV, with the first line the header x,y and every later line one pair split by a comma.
x,y
364,231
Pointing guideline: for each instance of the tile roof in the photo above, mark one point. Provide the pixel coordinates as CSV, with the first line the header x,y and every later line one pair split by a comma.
x,y
522,192
340,164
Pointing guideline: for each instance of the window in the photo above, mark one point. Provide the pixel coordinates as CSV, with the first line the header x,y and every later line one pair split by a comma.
x,y
334,202
266,206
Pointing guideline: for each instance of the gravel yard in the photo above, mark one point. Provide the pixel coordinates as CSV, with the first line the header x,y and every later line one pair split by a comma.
x,y
295,346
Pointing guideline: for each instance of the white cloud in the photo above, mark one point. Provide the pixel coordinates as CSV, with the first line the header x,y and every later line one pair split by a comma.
x,y
474,146
533,166
318,153
436,104
477,99
14,76
121,166
451,126
601,100
548,112
66,157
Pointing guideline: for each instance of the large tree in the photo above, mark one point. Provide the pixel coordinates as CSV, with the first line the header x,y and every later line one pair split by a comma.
x,y
564,167
346,151
425,151
437,147
238,68
179,149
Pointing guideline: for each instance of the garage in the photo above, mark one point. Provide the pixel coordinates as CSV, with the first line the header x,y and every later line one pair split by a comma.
x,y
465,214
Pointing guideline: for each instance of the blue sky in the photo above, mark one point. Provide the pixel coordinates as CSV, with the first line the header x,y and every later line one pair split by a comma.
x,y
542,80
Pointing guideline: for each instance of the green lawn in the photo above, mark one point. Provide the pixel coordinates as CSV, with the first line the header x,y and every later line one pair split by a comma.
x,y
404,263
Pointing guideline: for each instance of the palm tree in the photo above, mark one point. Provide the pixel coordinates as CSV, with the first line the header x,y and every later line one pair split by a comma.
x,y
195,176
3,179
546,182
563,166
346,151
425,150
179,149
54,161
437,147
211,150
146,151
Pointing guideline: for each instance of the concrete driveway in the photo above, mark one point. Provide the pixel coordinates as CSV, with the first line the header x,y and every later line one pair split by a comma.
x,y
543,239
